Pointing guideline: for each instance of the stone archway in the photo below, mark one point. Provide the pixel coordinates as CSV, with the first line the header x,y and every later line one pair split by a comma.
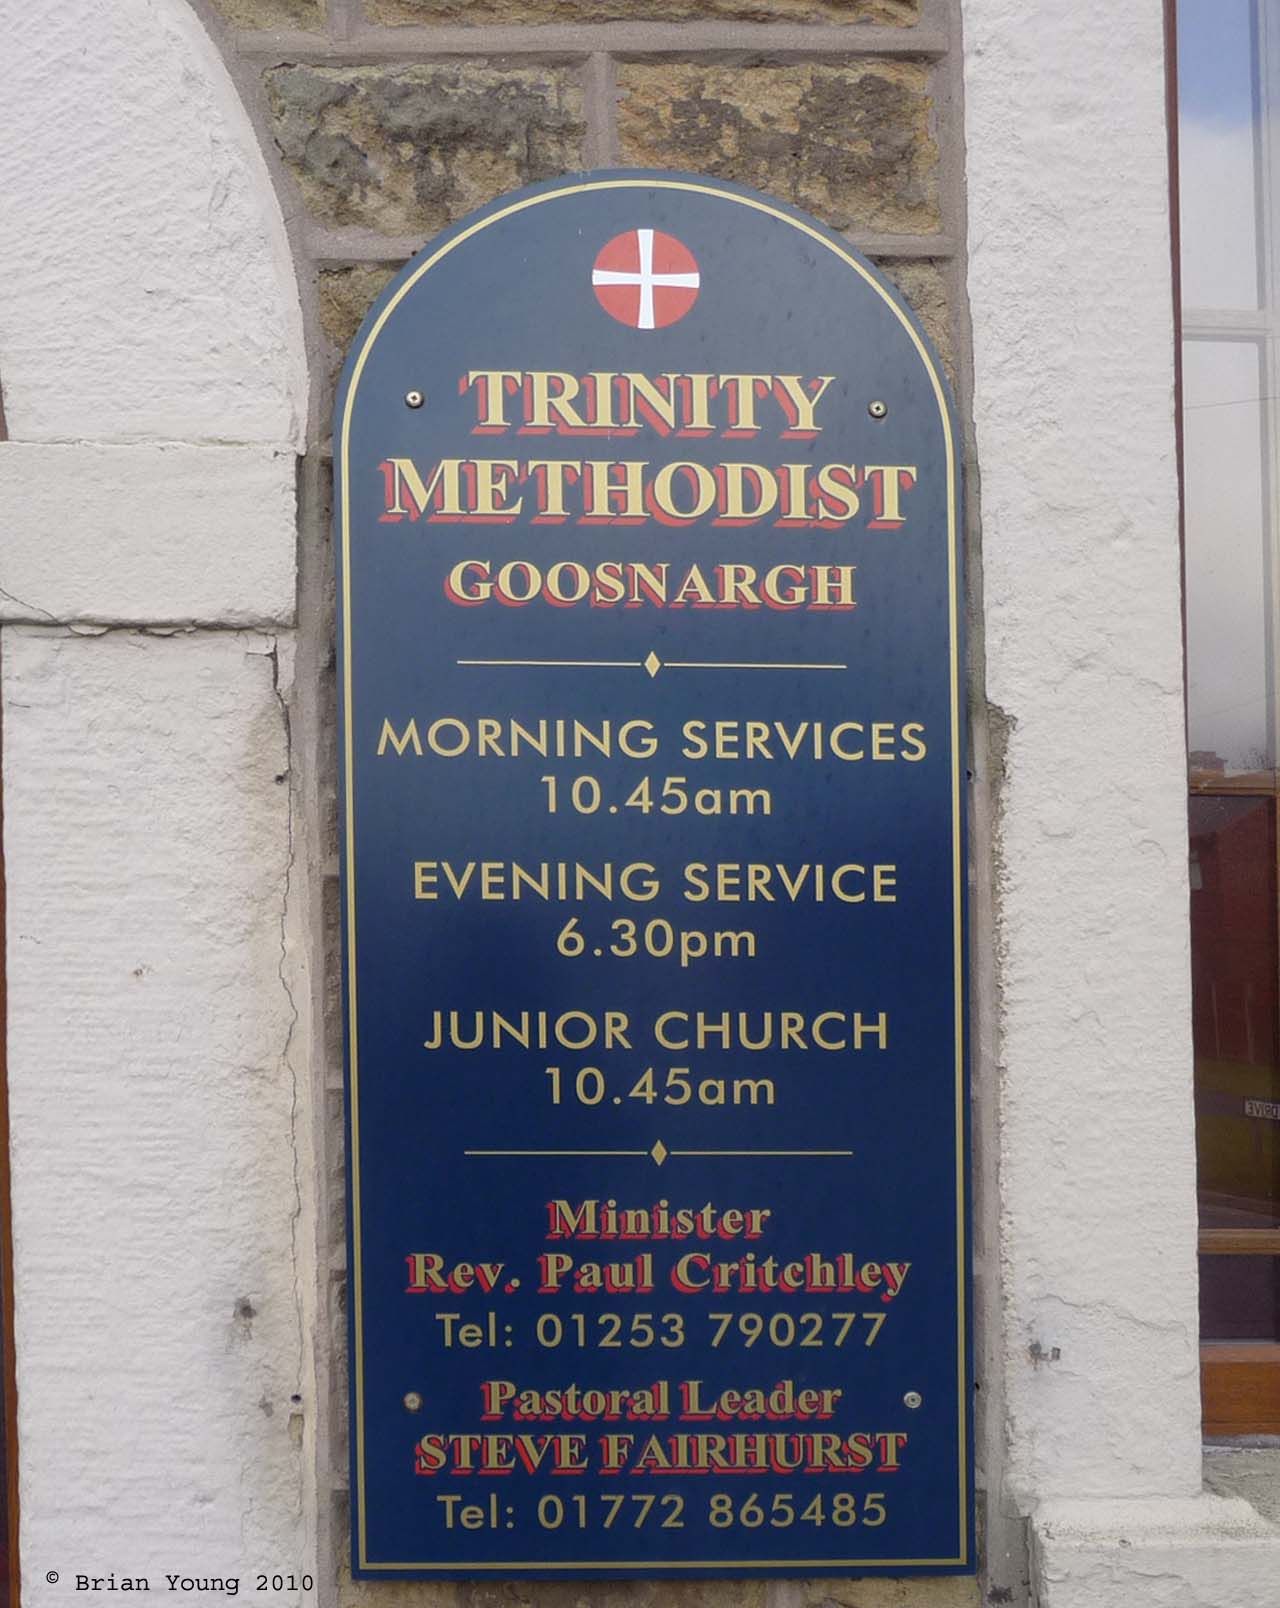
x,y
155,385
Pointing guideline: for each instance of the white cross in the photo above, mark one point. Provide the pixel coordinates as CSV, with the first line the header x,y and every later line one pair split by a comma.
x,y
646,278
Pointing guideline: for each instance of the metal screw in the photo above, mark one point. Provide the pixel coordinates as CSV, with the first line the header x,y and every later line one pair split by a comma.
x,y
414,399
413,1402
913,1398
877,410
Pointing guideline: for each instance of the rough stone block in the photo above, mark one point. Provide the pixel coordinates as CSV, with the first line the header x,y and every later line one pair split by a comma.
x,y
1193,1552
154,1199
147,535
272,13
850,142
899,12
148,287
924,288
407,150
346,295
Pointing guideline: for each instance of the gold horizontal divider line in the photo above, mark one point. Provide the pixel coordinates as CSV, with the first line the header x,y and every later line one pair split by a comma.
x,y
555,1152
729,664
760,1152
638,664
572,664
649,1152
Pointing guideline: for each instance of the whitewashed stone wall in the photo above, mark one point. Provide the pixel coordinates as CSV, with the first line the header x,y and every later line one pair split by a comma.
x,y
154,378
1070,293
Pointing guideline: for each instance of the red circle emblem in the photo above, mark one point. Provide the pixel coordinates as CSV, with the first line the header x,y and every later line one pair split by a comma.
x,y
645,278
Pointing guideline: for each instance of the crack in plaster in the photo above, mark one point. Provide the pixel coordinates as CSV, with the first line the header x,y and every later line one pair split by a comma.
x,y
294,1015
1169,1326
23,604
132,628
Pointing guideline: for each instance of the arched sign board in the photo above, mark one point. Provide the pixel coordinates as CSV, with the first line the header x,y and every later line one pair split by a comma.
x,y
649,590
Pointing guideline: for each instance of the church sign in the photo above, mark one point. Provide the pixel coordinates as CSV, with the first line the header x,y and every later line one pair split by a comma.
x,y
651,753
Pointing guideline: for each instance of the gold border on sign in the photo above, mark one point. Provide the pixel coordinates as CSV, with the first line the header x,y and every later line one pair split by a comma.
x,y
649,1565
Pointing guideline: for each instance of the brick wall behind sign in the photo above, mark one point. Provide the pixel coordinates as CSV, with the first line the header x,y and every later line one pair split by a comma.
x,y
392,119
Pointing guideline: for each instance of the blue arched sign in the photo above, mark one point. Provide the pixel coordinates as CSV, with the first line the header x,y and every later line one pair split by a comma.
x,y
651,745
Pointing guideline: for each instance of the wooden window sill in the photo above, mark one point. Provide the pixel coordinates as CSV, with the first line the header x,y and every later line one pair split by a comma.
x,y
1240,1387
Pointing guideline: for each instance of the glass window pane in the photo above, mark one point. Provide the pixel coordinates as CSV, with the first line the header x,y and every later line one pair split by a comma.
x,y
1240,1297
1228,567
1234,1003
1217,120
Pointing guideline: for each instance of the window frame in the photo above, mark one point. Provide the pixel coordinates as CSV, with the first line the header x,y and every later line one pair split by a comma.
x,y
1239,1380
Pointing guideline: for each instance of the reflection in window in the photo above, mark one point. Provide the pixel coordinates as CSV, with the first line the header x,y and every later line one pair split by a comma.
x,y
1217,153
1235,966
1229,660
1240,1297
